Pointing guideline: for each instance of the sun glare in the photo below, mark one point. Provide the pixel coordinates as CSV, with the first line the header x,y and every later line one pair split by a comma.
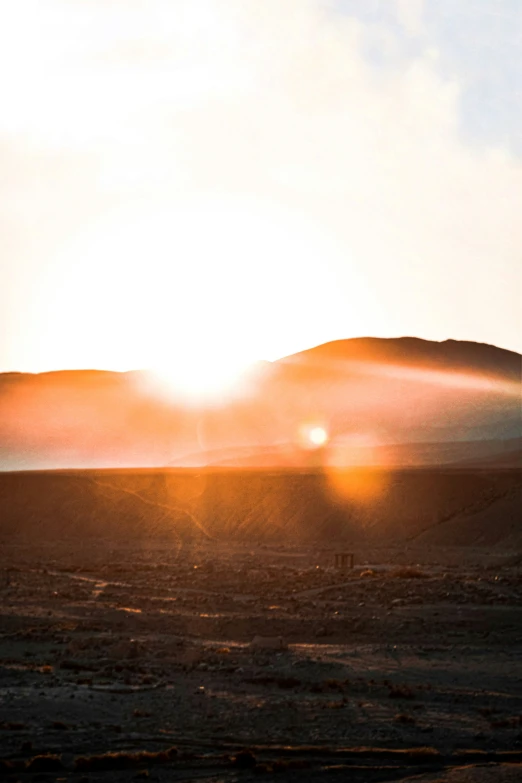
x,y
196,291
203,378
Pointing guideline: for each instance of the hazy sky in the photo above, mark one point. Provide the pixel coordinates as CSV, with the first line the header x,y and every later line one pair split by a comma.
x,y
241,179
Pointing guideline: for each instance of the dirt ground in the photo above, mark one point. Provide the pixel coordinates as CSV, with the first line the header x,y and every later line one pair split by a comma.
x,y
123,663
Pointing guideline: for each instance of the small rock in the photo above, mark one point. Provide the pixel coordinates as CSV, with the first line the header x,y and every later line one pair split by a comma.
x,y
268,643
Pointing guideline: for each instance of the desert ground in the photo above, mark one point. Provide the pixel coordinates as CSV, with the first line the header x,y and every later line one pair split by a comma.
x,y
138,651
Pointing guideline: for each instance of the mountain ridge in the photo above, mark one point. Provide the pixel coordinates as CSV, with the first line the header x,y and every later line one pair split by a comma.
x,y
451,353
327,347
373,392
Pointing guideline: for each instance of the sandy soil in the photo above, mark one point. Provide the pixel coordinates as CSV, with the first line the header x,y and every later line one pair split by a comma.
x,y
384,672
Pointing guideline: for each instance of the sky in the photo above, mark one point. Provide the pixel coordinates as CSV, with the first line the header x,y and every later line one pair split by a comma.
x,y
214,182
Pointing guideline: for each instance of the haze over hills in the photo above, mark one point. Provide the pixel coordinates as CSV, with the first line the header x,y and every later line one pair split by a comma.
x,y
455,355
400,401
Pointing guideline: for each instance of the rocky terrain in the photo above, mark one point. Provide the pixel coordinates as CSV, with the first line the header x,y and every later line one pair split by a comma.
x,y
207,661
180,625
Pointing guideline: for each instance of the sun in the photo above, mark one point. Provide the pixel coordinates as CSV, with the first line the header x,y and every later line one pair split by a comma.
x,y
201,378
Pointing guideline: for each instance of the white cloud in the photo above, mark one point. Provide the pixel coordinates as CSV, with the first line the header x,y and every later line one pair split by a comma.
x,y
410,13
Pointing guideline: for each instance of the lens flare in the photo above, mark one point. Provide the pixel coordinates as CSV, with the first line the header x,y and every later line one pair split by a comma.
x,y
318,436
363,485
312,434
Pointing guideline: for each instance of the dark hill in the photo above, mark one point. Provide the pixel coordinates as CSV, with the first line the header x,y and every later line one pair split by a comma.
x,y
382,507
449,355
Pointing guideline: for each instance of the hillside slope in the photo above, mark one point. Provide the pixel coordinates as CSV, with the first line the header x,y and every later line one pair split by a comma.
x,y
445,507
367,394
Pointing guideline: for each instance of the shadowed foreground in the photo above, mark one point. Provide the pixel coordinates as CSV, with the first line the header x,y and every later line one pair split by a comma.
x,y
192,626
423,506
217,663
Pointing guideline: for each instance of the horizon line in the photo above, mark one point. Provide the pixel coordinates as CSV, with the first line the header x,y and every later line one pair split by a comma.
x,y
261,361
